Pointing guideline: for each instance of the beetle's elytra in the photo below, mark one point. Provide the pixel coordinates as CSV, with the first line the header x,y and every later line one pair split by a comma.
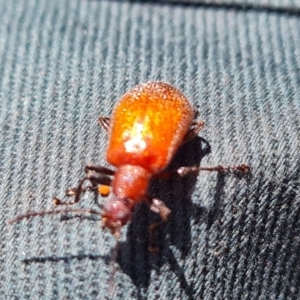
x,y
148,124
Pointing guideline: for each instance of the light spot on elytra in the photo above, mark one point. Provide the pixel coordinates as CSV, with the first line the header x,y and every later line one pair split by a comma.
x,y
135,138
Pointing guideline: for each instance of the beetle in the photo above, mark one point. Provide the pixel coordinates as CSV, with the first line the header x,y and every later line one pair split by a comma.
x,y
148,125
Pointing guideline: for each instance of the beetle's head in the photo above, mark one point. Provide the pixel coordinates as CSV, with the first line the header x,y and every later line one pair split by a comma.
x,y
116,213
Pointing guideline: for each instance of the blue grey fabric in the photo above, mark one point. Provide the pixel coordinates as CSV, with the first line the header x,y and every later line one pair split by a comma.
x,y
65,62
275,5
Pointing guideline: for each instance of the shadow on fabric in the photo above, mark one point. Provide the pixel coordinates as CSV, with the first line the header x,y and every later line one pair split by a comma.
x,y
133,257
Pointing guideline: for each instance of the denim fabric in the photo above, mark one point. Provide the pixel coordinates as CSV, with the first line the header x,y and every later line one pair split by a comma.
x,y
65,62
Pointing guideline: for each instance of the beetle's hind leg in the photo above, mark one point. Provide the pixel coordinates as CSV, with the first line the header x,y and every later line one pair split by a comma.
x,y
160,208
100,180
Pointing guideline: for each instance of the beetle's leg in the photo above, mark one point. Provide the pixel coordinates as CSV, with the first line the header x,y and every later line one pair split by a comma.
x,y
98,169
95,179
183,171
243,168
195,128
160,208
104,122
196,113
103,189
99,182
97,175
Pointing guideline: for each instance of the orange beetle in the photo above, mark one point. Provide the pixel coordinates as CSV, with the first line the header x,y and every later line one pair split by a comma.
x,y
148,125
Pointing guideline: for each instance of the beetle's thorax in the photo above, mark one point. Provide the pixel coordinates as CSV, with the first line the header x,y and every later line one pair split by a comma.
x,y
131,182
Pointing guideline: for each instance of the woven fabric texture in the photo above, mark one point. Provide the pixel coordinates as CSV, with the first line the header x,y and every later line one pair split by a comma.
x,y
290,6
65,62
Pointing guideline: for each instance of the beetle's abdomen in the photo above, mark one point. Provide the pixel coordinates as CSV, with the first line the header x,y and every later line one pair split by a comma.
x,y
148,125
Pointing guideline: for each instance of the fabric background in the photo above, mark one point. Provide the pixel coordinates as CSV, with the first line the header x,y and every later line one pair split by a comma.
x,y
274,5
65,62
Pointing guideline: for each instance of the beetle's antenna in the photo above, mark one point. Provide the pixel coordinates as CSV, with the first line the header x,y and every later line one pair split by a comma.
x,y
51,212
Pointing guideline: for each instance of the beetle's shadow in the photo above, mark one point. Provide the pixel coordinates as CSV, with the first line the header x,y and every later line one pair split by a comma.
x,y
134,258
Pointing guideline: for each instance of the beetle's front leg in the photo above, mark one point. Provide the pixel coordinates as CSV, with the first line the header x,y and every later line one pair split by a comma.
x,y
98,176
99,169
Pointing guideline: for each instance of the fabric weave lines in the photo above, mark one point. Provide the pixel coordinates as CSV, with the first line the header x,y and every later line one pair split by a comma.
x,y
65,62
287,5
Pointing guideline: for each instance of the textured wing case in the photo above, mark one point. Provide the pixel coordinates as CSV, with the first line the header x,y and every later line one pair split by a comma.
x,y
148,125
